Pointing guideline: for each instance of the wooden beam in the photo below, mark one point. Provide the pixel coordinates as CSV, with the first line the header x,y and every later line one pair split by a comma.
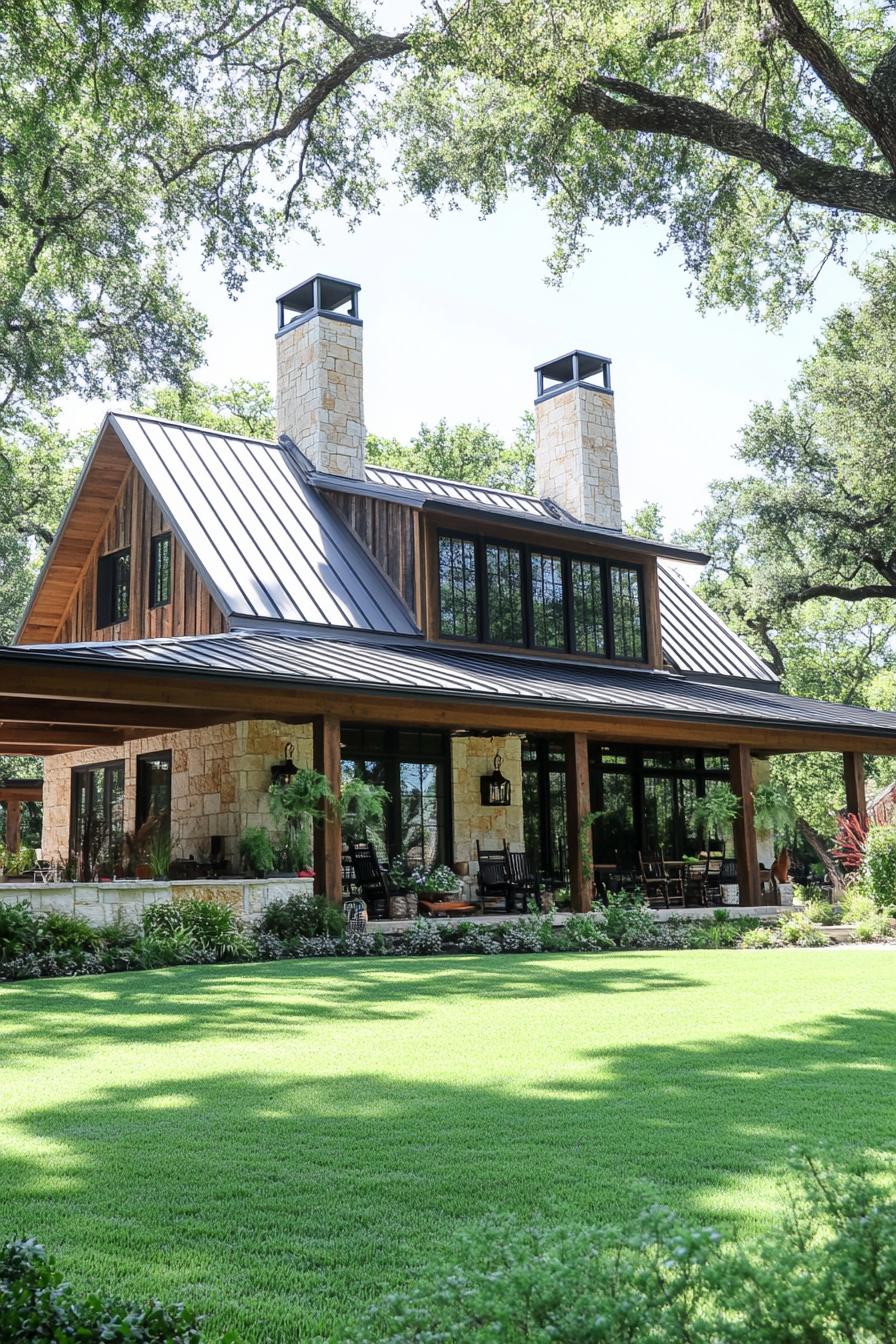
x,y
32,738
30,791
744,826
578,805
149,717
328,836
13,824
854,779
247,698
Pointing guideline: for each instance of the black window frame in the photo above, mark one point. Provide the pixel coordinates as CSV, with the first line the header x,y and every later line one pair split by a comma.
x,y
141,813
107,588
542,757
107,767
155,545
363,742
526,551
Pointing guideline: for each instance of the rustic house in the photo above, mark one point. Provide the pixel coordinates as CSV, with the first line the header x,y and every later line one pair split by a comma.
x,y
210,598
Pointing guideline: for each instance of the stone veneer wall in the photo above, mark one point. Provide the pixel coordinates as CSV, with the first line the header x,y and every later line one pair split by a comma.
x,y
219,782
320,396
101,902
472,757
575,455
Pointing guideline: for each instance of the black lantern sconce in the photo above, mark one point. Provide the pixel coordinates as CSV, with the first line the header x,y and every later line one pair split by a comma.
x,y
494,788
283,771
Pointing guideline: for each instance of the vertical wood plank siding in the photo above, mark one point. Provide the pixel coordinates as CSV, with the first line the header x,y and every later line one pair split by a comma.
x,y
135,518
388,531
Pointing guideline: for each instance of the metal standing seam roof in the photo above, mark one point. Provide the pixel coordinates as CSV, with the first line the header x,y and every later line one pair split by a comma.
x,y
528,506
696,640
423,670
265,542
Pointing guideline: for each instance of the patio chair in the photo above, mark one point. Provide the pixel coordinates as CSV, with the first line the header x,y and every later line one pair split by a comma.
x,y
524,882
654,882
695,880
713,881
369,880
493,880
674,882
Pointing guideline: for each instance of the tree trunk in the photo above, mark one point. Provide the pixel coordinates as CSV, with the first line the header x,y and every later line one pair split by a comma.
x,y
815,843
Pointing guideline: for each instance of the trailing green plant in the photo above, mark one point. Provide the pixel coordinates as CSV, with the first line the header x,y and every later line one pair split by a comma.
x,y
797,930
879,864
256,850
824,1274
36,1303
772,808
303,915
362,808
291,852
716,810
303,797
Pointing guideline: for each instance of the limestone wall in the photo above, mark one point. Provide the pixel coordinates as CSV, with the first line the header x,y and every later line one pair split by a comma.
x,y
472,757
219,783
101,902
320,395
575,455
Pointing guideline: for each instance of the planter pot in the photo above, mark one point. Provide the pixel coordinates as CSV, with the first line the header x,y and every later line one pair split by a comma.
x,y
403,905
142,872
785,893
730,894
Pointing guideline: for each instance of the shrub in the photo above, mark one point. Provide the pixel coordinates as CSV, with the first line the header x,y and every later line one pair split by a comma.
x,y
57,931
797,930
118,946
821,912
719,932
193,931
36,1303
422,940
320,945
303,915
628,921
17,930
532,933
268,947
758,937
880,864
875,926
584,933
358,943
483,941
825,1274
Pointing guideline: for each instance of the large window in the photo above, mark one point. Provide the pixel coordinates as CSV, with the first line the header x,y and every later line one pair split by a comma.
x,y
544,806
413,767
97,829
113,588
458,587
154,790
160,570
645,799
522,596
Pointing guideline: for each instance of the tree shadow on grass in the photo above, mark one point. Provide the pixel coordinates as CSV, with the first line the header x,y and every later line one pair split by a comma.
x,y
280,1205
190,1002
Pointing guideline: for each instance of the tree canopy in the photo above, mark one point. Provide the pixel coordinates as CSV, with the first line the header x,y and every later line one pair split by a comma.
x,y
471,453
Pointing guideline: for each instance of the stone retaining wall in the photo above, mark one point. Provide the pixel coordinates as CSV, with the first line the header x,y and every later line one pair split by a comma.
x,y
100,902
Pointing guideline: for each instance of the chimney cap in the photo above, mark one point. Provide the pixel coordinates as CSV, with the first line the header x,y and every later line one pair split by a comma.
x,y
575,369
319,294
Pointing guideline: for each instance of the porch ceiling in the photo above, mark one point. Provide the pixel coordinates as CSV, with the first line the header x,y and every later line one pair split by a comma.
x,y
56,698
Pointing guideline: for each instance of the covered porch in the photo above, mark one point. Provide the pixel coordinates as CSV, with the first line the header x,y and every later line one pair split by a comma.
x,y
630,745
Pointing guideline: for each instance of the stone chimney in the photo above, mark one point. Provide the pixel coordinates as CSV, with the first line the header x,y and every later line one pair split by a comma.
x,y
320,396
575,438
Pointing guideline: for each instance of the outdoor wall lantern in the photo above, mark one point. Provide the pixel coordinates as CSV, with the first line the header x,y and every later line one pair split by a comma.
x,y
495,789
283,771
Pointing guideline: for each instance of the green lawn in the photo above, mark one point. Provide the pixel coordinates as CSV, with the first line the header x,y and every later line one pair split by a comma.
x,y
277,1144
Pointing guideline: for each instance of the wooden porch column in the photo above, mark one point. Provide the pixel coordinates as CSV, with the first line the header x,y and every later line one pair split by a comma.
x,y
745,827
578,805
13,824
328,836
854,779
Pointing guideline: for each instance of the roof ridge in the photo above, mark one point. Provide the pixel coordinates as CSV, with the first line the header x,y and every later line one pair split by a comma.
x,y
451,480
201,429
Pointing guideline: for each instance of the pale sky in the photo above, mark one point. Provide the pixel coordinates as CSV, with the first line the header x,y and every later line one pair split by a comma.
x,y
457,313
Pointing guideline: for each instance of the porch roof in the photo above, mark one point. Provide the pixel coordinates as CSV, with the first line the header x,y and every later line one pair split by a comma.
x,y
378,667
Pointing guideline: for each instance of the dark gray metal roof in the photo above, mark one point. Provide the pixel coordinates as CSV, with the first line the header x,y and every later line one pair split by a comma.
x,y
473,501
422,670
265,542
695,640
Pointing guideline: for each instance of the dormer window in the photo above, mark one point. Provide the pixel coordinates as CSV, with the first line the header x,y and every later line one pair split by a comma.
x,y
113,588
518,596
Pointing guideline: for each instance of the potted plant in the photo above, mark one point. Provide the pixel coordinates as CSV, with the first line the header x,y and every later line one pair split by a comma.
x,y
362,808
437,883
716,810
300,802
159,856
772,808
256,850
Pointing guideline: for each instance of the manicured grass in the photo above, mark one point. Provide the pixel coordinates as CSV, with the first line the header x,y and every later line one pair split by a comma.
x,y
278,1144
